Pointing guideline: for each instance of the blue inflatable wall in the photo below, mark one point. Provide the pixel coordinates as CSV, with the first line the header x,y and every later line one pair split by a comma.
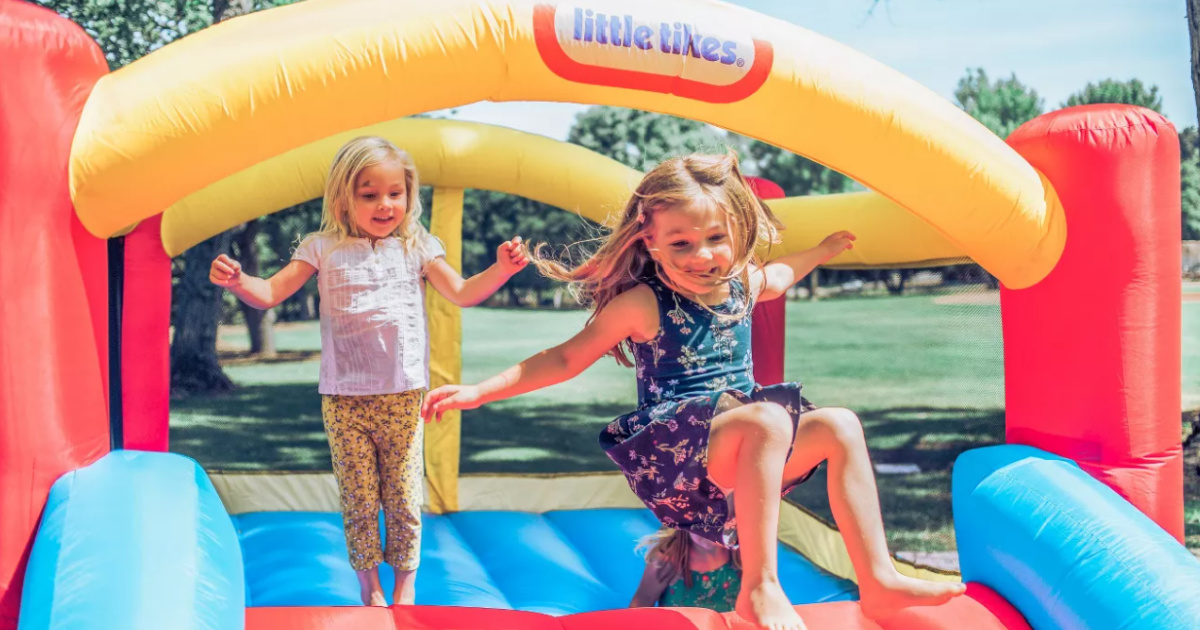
x,y
1065,549
136,541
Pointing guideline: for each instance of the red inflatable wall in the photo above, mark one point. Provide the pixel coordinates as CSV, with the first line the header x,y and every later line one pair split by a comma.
x,y
769,318
1092,353
53,325
145,339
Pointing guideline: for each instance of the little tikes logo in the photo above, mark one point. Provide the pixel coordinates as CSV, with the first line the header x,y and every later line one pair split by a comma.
x,y
677,49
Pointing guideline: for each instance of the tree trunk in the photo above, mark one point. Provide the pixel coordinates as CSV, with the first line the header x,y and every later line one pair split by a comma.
x,y
896,280
259,324
1193,22
194,366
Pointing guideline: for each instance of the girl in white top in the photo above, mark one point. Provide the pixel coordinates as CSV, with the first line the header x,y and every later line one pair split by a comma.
x,y
372,257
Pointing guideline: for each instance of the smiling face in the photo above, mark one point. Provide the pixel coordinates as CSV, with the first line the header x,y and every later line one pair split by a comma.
x,y
380,199
691,243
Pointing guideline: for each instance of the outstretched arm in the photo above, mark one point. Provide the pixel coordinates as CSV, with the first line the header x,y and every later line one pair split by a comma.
x,y
633,313
261,293
655,579
511,257
780,274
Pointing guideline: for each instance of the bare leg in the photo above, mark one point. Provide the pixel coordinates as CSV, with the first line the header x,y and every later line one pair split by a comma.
x,y
836,435
746,451
405,592
372,591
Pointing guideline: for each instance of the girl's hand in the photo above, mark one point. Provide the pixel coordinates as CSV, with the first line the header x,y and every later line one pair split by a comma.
x,y
836,243
512,256
446,398
225,272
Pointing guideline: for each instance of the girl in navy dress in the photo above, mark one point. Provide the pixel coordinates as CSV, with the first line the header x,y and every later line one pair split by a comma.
x,y
672,288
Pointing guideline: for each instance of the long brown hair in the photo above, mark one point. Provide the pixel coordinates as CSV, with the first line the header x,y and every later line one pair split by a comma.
x,y
672,547
623,260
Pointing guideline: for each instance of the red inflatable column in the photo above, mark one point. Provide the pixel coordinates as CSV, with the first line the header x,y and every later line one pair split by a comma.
x,y
145,339
1092,353
53,325
769,318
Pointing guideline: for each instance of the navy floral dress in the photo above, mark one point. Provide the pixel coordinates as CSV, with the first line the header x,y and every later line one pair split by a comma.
x,y
696,363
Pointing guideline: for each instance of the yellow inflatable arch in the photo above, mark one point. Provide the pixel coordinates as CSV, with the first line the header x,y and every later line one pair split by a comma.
x,y
242,119
227,109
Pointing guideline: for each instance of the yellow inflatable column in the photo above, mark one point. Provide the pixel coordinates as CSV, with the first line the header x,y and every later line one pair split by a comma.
x,y
445,365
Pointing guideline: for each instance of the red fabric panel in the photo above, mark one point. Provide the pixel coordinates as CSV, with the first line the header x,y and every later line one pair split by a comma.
x,y
456,618
646,619
145,339
320,618
53,325
769,318
980,609
1092,353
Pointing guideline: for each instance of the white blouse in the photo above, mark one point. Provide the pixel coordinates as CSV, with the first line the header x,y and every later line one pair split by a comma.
x,y
374,329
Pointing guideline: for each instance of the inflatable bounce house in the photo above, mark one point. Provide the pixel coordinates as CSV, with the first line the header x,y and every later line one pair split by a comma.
x,y
1075,523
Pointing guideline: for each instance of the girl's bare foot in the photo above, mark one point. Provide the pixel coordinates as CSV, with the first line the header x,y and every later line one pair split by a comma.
x,y
374,598
896,592
765,604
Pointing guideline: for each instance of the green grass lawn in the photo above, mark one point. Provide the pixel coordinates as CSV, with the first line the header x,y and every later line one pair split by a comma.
x,y
925,377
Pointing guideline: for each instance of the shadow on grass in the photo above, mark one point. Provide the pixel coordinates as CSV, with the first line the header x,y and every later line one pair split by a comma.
x,y
278,427
517,437
257,427
916,506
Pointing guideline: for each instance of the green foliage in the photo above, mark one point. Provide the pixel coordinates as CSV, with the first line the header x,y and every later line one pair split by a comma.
x,y
796,174
1131,92
642,139
1189,179
129,29
1001,106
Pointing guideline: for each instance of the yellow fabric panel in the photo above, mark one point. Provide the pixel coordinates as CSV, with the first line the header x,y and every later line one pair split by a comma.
x,y
822,543
445,363
447,153
461,154
241,92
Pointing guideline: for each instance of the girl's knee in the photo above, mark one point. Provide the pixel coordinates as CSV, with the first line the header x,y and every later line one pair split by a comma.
x,y
844,424
772,419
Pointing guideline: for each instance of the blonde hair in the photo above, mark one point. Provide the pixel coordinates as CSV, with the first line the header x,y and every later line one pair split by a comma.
x,y
672,547
623,260
348,163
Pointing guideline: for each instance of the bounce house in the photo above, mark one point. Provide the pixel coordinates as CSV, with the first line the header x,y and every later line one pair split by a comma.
x,y
1075,523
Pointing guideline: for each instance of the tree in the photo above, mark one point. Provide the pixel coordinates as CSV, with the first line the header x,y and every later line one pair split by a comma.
x,y
1193,26
1131,92
796,174
642,139
1189,179
194,365
130,29
1001,106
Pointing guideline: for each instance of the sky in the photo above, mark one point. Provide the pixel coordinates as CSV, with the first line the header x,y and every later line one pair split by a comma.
x,y
1053,46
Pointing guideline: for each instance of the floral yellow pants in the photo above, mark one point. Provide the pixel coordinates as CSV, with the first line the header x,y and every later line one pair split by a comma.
x,y
376,442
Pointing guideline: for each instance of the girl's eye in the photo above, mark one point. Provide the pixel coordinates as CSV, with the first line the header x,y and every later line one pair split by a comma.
x,y
397,195
717,238
368,195
679,244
